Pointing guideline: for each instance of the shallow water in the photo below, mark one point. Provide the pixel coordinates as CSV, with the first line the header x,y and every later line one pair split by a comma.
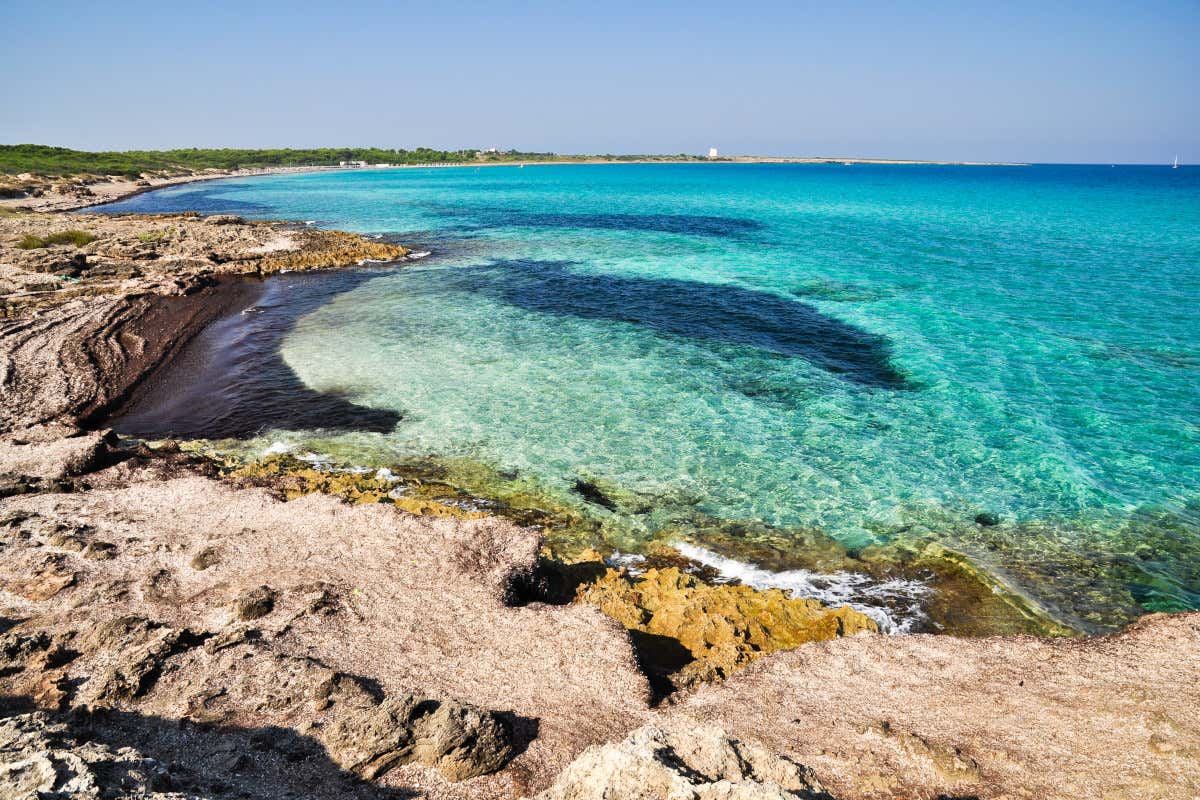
x,y
879,353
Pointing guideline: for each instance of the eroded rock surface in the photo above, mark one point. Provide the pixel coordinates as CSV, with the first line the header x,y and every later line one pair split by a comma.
x,y
388,641
40,758
722,627
81,325
1004,717
682,761
460,741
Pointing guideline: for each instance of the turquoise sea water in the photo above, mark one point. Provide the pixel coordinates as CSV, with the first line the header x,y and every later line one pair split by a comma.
x,y
875,352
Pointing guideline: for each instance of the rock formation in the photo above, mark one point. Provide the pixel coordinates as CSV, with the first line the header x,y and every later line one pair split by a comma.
x,y
722,628
40,758
678,761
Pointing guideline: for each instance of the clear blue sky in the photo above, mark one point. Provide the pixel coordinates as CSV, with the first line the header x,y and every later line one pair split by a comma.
x,y
1028,81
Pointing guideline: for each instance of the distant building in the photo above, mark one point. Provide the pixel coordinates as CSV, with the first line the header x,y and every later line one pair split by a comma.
x,y
352,163
712,153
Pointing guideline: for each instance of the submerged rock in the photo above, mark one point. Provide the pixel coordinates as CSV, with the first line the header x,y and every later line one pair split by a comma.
x,y
594,494
675,761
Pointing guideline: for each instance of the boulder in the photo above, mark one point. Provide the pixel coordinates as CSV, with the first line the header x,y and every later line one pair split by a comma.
x,y
678,761
721,627
254,603
40,758
461,741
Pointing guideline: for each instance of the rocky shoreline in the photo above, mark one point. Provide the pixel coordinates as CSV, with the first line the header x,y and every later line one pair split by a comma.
x,y
41,193
169,629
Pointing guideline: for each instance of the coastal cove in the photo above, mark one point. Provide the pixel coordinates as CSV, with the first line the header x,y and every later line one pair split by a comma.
x,y
755,361
235,616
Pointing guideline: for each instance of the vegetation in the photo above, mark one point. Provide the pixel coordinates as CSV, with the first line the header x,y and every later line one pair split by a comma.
x,y
60,161
72,237
16,159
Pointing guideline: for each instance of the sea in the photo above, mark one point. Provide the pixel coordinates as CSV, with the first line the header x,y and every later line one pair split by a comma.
x,y
1001,360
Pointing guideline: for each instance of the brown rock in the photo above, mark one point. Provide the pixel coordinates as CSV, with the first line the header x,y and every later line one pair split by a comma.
x,y
100,551
461,741
254,603
206,558
679,761
136,650
722,627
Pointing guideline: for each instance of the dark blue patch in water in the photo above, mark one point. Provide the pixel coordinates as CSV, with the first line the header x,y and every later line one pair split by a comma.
x,y
705,311
204,199
232,382
683,224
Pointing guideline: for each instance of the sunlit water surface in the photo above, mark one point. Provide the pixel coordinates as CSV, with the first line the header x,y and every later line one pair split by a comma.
x,y
875,352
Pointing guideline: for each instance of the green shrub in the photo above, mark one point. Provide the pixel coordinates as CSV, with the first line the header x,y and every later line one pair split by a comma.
x,y
72,237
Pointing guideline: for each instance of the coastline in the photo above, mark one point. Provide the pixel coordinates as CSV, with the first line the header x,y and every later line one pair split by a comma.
x,y
103,190
107,189
97,535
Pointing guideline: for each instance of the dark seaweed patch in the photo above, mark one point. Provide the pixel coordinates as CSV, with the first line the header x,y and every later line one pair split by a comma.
x,y
231,381
701,311
683,224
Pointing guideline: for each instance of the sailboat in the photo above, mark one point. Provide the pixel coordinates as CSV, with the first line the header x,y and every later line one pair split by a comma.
x,y
1176,164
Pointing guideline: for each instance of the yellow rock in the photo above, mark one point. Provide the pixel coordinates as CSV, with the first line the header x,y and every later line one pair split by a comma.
x,y
722,627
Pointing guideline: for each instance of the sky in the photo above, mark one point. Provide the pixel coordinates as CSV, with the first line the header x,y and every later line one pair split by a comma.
x,y
1014,81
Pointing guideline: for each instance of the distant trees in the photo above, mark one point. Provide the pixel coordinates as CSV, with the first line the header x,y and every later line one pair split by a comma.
x,y
56,161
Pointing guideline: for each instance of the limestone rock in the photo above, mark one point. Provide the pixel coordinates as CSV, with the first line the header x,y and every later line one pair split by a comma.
x,y
679,761
205,558
723,627
137,649
56,459
254,603
461,741
39,758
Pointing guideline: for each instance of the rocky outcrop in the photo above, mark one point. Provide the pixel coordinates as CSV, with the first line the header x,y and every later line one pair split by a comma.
x,y
721,627
996,718
40,758
84,256
80,327
460,741
386,640
680,761
54,452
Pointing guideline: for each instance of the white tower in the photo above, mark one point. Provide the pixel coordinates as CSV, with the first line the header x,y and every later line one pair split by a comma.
x,y
712,152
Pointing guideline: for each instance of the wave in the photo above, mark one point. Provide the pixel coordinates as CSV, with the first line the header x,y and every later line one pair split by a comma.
x,y
895,604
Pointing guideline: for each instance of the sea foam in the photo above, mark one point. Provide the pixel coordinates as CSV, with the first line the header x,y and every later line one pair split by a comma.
x,y
894,605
